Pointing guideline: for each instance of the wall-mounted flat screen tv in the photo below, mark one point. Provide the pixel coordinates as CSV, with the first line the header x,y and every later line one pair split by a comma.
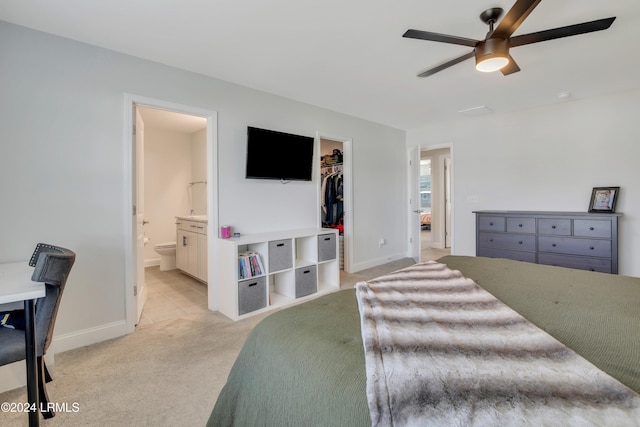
x,y
278,155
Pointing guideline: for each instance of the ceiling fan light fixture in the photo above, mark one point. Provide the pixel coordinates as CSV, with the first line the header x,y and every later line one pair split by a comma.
x,y
492,55
490,65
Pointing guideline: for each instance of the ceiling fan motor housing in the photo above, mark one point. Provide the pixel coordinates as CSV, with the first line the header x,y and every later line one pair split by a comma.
x,y
496,49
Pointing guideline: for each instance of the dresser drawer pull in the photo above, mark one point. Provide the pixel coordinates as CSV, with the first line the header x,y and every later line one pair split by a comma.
x,y
591,247
520,225
490,223
553,245
520,242
491,240
553,226
591,228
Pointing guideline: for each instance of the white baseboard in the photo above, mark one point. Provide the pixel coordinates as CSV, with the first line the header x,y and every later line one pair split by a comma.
x,y
14,375
89,336
375,262
151,262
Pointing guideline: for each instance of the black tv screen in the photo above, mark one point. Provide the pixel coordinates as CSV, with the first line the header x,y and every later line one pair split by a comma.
x,y
279,155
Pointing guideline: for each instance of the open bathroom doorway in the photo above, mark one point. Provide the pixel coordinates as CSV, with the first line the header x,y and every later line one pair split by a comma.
x,y
172,160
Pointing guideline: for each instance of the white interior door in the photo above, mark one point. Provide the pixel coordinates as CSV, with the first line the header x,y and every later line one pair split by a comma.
x,y
414,204
447,202
138,176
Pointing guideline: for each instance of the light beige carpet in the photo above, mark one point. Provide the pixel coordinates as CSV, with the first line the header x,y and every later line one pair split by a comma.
x,y
165,374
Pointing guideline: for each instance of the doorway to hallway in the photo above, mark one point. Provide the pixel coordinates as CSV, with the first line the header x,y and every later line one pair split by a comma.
x,y
435,203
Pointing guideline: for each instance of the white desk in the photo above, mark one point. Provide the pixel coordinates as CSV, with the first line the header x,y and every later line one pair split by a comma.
x,y
16,285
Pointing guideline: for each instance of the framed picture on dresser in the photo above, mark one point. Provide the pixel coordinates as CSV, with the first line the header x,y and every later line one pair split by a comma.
x,y
603,199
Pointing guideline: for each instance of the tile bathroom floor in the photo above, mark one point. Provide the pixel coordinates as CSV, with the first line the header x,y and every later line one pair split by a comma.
x,y
171,295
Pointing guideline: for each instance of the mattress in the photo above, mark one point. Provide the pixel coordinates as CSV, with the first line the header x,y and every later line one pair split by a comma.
x,y
304,365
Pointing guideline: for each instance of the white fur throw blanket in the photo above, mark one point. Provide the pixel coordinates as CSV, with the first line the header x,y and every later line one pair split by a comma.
x,y
442,351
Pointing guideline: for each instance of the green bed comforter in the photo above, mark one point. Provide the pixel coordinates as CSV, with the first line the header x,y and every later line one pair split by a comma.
x,y
305,365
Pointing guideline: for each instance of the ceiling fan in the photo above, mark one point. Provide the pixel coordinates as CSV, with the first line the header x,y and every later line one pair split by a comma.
x,y
492,53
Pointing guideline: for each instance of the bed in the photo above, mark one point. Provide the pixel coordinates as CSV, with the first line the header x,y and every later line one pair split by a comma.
x,y
425,220
305,365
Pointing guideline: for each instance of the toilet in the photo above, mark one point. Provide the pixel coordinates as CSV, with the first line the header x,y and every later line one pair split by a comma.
x,y
167,252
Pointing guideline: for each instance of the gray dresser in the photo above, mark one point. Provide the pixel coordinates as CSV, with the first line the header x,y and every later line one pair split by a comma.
x,y
587,241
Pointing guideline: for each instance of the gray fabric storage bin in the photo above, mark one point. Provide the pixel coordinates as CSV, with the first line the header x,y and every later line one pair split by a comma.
x,y
252,294
326,247
280,255
306,281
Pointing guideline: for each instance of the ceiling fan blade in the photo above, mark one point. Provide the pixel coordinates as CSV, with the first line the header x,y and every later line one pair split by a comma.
x,y
556,33
512,20
510,68
446,64
443,38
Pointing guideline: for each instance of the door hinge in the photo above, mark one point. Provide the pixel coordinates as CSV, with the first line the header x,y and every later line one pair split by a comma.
x,y
135,210
135,291
134,129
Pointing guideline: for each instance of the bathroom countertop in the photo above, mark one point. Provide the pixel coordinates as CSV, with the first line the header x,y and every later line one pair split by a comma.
x,y
198,218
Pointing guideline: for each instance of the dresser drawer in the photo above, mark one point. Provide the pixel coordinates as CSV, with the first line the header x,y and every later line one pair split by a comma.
x,y
502,253
592,228
491,223
567,245
507,241
521,225
591,264
555,226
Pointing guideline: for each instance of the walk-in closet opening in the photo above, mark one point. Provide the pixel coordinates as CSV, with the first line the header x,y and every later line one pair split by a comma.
x,y
334,193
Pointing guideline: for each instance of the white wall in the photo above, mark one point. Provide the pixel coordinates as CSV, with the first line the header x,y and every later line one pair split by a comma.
x,y
199,172
167,174
545,159
62,166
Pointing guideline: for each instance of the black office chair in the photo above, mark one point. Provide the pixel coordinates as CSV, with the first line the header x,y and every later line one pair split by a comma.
x,y
52,266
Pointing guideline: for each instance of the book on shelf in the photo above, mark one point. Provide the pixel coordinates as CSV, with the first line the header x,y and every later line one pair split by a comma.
x,y
249,265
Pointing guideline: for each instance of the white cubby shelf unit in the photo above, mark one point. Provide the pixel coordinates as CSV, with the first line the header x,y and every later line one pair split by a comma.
x,y
299,265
